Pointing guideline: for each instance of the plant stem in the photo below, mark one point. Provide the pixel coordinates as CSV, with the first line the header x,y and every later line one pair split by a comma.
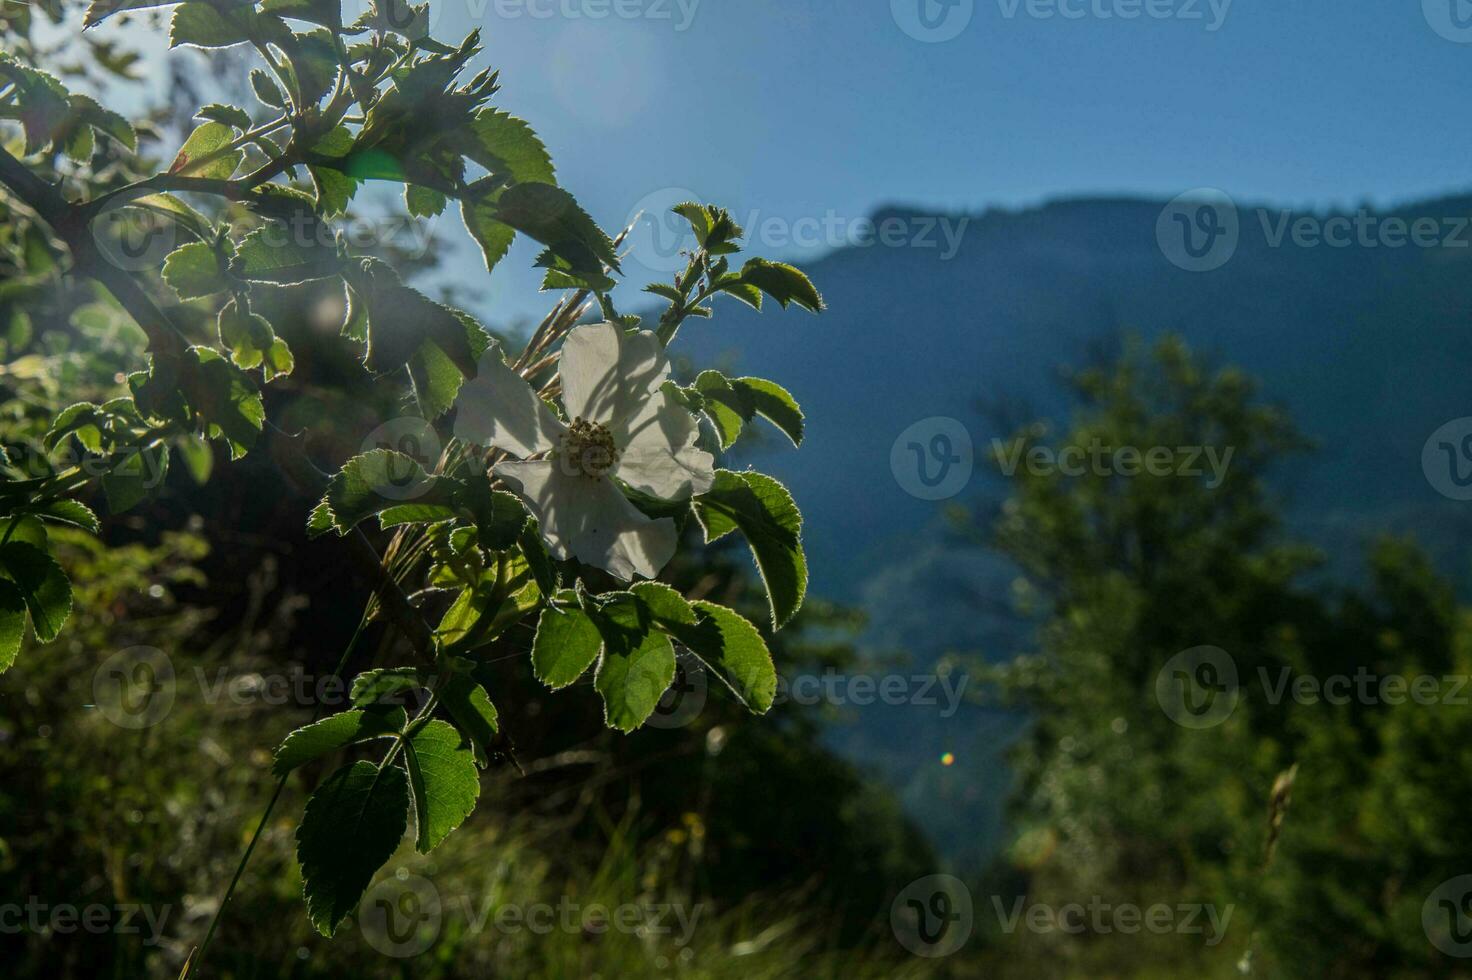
x,y
250,848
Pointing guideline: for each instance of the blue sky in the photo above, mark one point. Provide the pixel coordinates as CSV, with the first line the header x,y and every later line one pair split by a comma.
x,y
829,108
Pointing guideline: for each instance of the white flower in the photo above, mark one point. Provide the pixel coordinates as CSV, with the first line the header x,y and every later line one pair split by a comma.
x,y
624,428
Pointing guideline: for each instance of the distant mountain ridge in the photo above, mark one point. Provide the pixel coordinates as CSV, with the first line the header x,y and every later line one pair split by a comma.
x,y
1369,348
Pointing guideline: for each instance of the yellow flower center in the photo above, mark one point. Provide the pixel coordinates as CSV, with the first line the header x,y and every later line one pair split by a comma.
x,y
587,449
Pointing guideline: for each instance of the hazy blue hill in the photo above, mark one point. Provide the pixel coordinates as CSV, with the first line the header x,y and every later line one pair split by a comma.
x,y
1370,348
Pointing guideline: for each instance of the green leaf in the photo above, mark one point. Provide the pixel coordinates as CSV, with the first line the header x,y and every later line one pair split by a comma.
x,y
328,13
42,585
377,481
275,254
228,114
566,644
416,514
446,784
499,516
247,336
423,202
437,378
105,121
80,419
206,26
26,528
764,512
713,226
12,623
493,236
400,320
278,361
319,521
98,10
772,402
784,283
743,291
550,215
339,731
474,714
334,190
352,825
727,408
70,512
266,89
169,206
229,404
396,16
372,686
195,270
485,609
537,558
199,458
633,681
204,153
721,638
733,648
507,146
44,103
667,291
312,59
131,481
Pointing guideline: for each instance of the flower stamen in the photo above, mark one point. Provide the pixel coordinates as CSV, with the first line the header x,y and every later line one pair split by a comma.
x,y
587,449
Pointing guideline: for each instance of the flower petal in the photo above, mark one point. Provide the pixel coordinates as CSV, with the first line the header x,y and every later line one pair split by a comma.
x,y
608,374
498,408
666,474
591,520
659,455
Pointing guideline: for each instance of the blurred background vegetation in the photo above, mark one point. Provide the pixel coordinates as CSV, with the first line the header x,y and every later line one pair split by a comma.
x,y
1322,828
